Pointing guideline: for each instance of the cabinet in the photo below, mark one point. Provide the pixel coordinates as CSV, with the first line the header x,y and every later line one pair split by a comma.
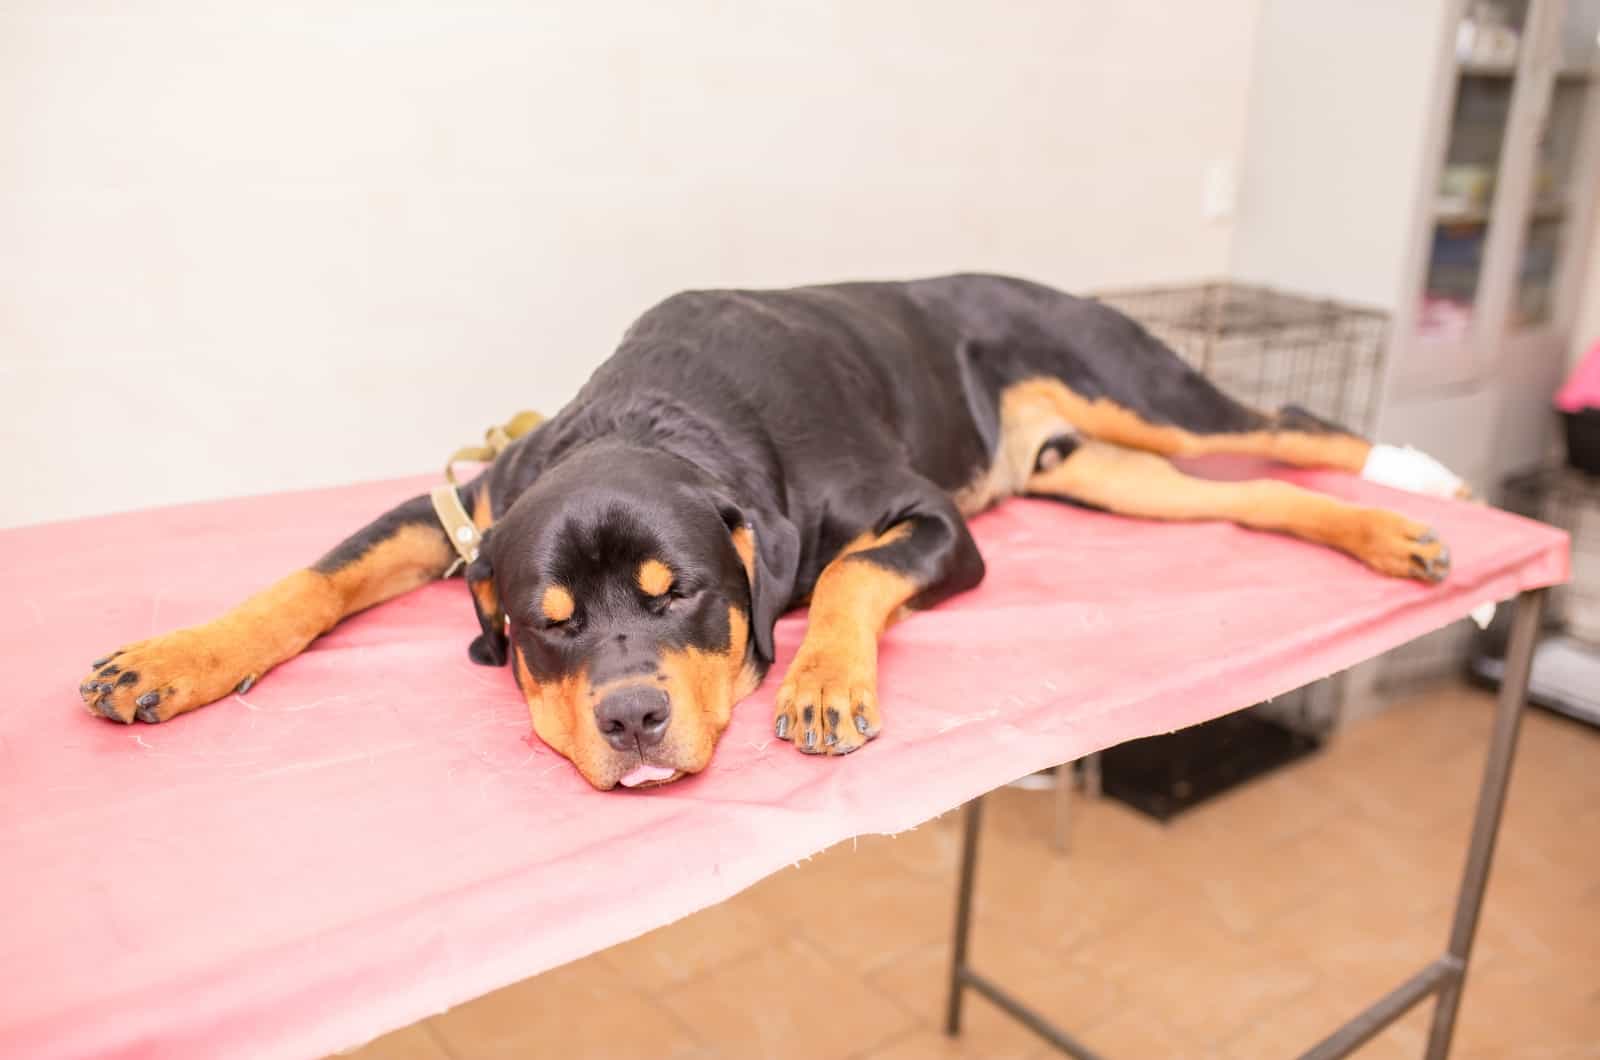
x,y
1513,190
1437,159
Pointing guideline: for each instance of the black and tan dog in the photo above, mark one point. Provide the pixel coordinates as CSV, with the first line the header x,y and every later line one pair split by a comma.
x,y
745,451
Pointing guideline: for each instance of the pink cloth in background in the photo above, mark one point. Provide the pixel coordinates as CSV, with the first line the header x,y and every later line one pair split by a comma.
x,y
1582,388
370,835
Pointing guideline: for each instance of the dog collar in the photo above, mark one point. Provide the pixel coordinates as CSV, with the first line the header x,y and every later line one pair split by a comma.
x,y
464,535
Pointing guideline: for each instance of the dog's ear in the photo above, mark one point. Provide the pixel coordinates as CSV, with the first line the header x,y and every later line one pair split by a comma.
x,y
491,647
769,545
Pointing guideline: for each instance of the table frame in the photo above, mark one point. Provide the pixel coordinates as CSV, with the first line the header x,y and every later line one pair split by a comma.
x,y
1443,977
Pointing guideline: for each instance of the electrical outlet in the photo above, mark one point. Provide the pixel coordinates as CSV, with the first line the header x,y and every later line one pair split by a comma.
x,y
1218,190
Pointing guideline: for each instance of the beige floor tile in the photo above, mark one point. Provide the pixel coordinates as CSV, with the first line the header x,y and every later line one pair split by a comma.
x,y
1562,750
1064,991
1289,1030
1358,938
1065,900
1395,867
1447,717
931,851
1562,848
580,1010
1193,974
1279,806
788,1000
858,905
1506,1012
929,1044
415,1042
1234,877
1413,790
692,946
1136,1032
1532,926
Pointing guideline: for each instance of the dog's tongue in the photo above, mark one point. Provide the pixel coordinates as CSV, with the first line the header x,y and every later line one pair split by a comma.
x,y
644,773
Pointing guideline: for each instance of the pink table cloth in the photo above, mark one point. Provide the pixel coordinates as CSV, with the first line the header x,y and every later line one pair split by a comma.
x,y
371,835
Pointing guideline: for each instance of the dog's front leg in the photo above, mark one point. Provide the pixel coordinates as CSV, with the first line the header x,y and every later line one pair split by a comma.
x,y
159,678
828,703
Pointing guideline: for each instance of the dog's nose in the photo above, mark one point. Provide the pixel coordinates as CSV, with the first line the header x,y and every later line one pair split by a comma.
x,y
634,717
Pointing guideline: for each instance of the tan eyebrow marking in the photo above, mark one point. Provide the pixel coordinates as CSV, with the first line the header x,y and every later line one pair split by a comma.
x,y
557,604
654,577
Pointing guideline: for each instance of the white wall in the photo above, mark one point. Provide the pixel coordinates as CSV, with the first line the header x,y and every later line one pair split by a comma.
x,y
262,246
1334,157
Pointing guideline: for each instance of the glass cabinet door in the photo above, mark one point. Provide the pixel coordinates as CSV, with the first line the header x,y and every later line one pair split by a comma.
x,y
1489,43
1556,164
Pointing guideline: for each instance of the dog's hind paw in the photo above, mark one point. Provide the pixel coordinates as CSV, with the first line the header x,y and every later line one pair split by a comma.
x,y
1394,545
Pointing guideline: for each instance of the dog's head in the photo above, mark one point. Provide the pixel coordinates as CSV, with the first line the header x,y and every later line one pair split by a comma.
x,y
635,602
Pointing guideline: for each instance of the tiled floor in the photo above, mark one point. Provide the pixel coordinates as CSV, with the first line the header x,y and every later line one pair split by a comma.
x,y
1247,929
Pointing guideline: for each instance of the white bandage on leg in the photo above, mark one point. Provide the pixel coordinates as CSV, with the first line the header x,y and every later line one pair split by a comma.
x,y
1411,469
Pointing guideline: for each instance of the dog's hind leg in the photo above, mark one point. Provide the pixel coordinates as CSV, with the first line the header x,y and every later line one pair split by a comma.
x,y
1146,485
157,679
1195,419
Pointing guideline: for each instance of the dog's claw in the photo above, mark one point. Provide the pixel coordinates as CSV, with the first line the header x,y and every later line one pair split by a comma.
x,y
861,725
245,685
148,715
1434,569
811,739
781,729
149,699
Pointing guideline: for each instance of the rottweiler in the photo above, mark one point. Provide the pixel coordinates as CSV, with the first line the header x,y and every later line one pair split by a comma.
x,y
746,451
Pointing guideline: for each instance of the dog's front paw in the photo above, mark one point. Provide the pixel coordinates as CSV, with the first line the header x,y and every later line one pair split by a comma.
x,y
1397,546
160,678
828,703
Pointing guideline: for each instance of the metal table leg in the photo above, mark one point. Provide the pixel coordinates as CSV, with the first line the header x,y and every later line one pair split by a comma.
x,y
971,824
1444,976
1491,803
963,976
1063,821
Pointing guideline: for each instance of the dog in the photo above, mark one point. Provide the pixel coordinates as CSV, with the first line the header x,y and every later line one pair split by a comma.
x,y
746,451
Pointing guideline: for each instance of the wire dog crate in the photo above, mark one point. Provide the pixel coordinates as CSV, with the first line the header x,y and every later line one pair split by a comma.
x,y
1268,348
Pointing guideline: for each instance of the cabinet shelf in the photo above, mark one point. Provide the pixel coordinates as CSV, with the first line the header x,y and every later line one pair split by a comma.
x,y
1470,68
1450,214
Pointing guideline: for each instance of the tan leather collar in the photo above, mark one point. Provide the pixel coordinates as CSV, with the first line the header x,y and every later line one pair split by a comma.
x,y
464,535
